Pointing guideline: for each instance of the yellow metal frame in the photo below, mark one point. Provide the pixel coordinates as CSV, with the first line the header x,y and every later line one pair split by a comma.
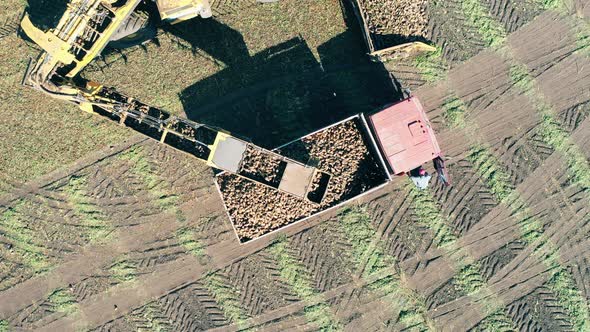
x,y
57,48
121,14
401,51
190,8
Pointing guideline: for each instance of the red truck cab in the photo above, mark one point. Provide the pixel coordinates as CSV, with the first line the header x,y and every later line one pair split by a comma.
x,y
406,138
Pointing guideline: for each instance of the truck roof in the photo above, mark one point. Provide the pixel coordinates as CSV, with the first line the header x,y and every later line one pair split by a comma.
x,y
405,135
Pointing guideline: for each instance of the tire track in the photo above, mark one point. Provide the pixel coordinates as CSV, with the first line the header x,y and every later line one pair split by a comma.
x,y
324,252
513,14
451,32
510,274
258,279
468,200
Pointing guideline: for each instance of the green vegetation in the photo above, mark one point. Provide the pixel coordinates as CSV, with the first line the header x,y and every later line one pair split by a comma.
x,y
366,250
321,315
551,130
469,278
428,214
583,41
386,284
432,65
23,239
124,271
557,5
145,171
562,284
498,321
492,32
296,276
180,215
519,74
4,326
530,227
554,135
40,135
188,239
63,300
549,4
98,230
489,169
228,298
155,319
454,111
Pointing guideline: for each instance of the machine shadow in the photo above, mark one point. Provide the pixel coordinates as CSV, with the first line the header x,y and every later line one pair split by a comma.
x,y
283,92
276,95
45,14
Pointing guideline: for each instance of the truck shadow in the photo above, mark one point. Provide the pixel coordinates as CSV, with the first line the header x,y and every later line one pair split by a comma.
x,y
285,91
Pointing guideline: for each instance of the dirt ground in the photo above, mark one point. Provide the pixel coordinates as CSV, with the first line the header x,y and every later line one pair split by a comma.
x,y
102,230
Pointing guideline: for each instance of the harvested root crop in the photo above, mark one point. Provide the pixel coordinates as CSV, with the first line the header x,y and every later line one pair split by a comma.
x,y
340,151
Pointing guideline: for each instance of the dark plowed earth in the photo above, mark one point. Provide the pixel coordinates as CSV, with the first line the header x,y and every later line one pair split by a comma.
x,y
261,288
446,293
393,217
513,14
191,308
91,286
326,254
521,155
154,254
448,29
33,314
493,263
574,116
170,247
367,309
544,52
468,200
197,306
539,311
152,317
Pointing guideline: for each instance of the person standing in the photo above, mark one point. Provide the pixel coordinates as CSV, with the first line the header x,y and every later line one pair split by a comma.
x,y
420,177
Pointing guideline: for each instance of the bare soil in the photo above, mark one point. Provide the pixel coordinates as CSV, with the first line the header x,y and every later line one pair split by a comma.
x,y
340,151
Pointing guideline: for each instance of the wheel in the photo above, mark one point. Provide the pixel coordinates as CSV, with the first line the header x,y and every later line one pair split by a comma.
x,y
136,30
